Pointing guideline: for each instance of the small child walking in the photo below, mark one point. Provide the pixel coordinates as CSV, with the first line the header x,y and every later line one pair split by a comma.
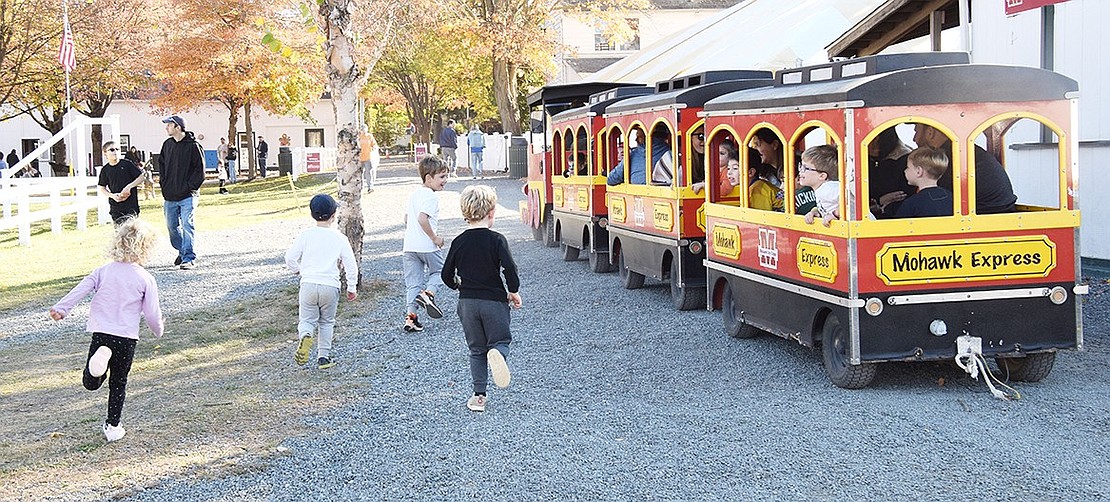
x,y
123,292
315,256
423,248
475,262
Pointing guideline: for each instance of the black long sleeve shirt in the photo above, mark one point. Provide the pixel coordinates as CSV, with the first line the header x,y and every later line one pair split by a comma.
x,y
474,265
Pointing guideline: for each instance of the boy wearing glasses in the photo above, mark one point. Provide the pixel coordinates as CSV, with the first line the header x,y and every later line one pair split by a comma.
x,y
119,181
818,171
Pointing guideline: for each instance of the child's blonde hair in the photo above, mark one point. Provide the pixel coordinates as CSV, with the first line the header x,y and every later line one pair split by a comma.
x,y
431,166
477,201
823,158
932,160
134,241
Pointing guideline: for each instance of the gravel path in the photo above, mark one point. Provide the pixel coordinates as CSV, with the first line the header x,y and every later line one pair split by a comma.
x,y
617,397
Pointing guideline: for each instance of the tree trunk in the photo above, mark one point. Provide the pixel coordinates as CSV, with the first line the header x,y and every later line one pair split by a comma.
x,y
252,160
232,141
505,93
97,137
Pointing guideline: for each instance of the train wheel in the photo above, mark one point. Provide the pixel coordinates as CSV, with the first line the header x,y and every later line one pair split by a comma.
x,y
599,262
1031,368
549,234
842,373
730,315
569,253
629,279
685,297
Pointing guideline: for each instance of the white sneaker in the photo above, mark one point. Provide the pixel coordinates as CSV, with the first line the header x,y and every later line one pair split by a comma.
x,y
98,363
113,433
499,368
476,403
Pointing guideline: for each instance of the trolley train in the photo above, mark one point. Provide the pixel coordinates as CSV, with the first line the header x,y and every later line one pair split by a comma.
x,y
998,281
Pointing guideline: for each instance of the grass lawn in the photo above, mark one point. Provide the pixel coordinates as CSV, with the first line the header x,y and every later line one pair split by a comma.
x,y
55,262
214,397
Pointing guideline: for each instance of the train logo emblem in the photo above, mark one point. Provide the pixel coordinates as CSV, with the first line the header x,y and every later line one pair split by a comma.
x,y
817,259
726,241
638,217
768,249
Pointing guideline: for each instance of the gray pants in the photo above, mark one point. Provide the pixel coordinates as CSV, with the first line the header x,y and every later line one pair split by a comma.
x,y
317,309
369,174
485,324
421,272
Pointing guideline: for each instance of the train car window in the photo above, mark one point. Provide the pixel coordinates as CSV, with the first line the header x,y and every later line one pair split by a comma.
x,y
721,146
559,158
886,156
929,136
817,170
580,158
662,163
693,156
614,150
1034,170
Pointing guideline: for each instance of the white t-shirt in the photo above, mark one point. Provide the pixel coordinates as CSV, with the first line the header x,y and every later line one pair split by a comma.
x,y
828,197
316,254
423,200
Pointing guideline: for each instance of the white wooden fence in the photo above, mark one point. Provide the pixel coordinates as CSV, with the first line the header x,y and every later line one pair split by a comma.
x,y
39,199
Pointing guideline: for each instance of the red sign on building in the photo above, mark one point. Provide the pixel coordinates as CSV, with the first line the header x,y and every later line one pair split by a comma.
x,y
1016,6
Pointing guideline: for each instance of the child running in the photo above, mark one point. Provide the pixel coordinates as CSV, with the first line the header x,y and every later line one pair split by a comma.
x,y
315,256
474,265
423,247
122,292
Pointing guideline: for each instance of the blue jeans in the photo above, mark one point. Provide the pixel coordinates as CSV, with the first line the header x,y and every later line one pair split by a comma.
x,y
476,163
179,221
231,171
262,165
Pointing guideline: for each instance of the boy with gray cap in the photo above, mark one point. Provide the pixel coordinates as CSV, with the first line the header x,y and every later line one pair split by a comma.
x,y
315,256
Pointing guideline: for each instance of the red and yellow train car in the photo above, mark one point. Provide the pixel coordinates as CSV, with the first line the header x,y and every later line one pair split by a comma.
x,y
578,183
545,103
655,199
999,280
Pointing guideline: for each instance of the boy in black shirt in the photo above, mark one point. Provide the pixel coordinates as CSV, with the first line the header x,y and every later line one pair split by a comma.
x,y
473,266
923,168
119,179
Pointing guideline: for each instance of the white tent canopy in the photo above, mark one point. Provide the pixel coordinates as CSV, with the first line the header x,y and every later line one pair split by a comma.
x,y
752,35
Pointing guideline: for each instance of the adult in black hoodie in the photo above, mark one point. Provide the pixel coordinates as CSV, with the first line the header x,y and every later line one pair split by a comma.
x,y
180,174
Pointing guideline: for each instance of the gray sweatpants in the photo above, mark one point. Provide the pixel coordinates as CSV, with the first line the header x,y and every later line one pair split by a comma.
x,y
421,272
317,309
485,324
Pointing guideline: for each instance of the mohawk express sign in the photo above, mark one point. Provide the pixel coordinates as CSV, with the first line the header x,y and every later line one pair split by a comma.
x,y
1016,6
965,260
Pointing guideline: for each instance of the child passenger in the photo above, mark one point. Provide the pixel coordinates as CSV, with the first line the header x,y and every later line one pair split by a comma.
x,y
818,171
315,256
923,168
475,263
423,247
123,292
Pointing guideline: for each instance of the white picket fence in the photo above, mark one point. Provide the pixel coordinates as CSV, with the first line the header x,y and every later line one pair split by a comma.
x,y
29,200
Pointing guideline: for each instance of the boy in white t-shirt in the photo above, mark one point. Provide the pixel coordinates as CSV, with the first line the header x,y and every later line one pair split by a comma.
x,y
315,256
423,249
818,171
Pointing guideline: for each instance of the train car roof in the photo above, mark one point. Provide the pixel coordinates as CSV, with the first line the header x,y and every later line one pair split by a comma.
x,y
600,101
694,90
565,94
900,80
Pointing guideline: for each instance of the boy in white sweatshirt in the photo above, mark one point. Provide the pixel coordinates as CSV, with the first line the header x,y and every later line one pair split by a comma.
x,y
315,256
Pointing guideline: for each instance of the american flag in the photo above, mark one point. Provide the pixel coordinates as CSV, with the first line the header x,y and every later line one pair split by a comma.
x,y
66,55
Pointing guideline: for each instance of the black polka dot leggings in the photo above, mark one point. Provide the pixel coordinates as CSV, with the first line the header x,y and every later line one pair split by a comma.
x,y
123,351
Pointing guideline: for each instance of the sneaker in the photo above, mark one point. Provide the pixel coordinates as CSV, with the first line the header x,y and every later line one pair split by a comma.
x,y
476,403
113,432
177,261
188,265
499,368
412,324
324,363
98,363
303,348
427,299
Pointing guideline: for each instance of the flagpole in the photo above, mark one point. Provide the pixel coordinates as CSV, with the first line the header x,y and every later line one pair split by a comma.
x,y
65,114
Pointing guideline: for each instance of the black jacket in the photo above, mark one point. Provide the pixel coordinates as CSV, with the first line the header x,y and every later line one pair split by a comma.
x,y
180,168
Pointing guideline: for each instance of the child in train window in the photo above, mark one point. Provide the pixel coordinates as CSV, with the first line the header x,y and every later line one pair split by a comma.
x,y
576,164
769,146
818,171
762,193
924,168
662,158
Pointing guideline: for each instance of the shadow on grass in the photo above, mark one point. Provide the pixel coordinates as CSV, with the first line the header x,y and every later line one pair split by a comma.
x,y
213,397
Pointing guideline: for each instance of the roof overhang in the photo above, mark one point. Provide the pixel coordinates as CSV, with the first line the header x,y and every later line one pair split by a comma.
x,y
893,22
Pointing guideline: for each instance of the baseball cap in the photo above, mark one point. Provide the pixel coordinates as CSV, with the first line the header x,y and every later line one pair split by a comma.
x,y
322,206
176,120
